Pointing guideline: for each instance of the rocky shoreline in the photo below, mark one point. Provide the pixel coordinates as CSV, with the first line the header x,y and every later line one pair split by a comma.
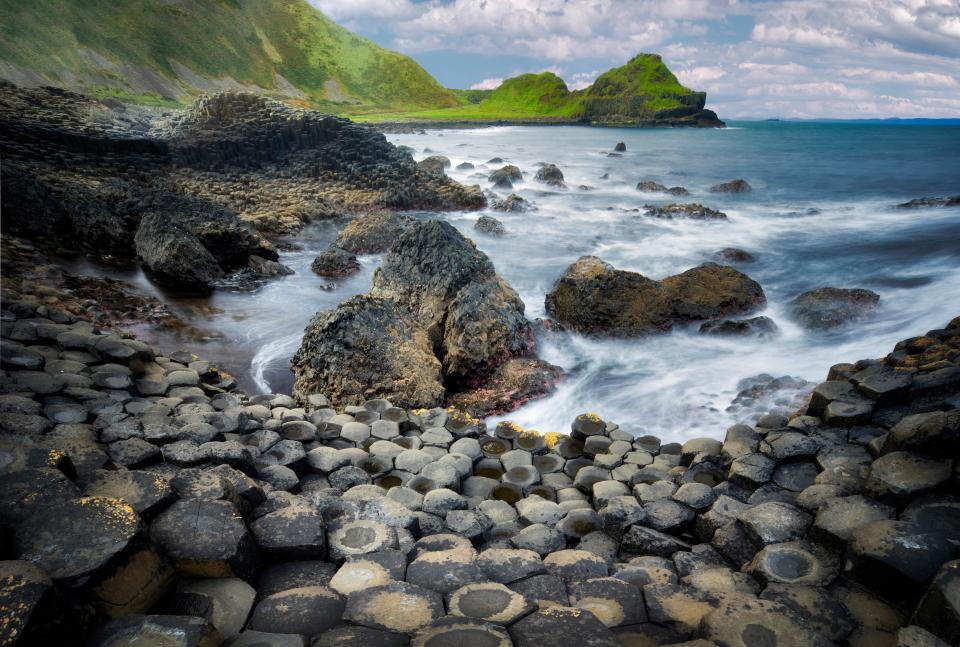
x,y
145,497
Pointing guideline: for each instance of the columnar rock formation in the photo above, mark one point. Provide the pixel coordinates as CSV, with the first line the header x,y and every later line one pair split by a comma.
x,y
145,499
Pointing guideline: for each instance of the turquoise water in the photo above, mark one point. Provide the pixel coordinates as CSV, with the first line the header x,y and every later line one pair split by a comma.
x,y
821,214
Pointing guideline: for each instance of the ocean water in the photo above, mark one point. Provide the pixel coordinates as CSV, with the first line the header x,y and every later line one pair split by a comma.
x,y
820,214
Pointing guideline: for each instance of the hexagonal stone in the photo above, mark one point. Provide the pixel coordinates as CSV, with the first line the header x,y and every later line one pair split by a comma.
x,y
536,510
308,611
172,631
898,559
838,517
667,515
101,531
900,476
821,611
351,636
399,606
795,477
613,601
745,622
26,491
293,575
224,602
507,565
32,611
293,532
795,562
577,627
539,538
574,565
146,492
358,537
133,452
489,602
939,610
676,606
205,538
936,433
445,570
752,470
638,541
376,569
774,522
459,632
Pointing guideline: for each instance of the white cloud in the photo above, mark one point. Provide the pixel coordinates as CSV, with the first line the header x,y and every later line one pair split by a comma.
x,y
487,84
801,58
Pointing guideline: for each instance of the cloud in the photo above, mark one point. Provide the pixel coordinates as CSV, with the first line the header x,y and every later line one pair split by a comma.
x,y
840,58
487,84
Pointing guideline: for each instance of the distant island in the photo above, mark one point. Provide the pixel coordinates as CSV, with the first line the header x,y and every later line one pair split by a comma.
x,y
166,54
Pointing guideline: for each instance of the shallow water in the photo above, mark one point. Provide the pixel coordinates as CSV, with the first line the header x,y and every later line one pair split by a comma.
x,y
820,214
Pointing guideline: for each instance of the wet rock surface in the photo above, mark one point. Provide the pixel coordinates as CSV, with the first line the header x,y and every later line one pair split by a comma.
x,y
594,297
156,501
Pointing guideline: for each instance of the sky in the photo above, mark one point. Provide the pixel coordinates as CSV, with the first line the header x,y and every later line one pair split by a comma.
x,y
754,58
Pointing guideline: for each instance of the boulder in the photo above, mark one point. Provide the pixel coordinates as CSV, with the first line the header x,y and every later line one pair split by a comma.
x,y
649,186
595,298
550,175
620,147
490,226
512,203
827,308
734,255
454,293
335,262
733,186
371,233
368,347
504,177
434,164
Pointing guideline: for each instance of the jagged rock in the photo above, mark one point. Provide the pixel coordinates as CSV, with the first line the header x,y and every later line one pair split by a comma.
x,y
512,203
368,347
453,292
503,178
593,297
939,610
335,262
826,308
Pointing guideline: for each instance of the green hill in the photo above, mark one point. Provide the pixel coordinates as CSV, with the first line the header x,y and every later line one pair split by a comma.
x,y
168,51
642,92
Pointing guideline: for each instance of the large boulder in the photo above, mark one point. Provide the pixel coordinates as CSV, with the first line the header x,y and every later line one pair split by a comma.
x,y
826,308
594,297
453,292
368,347
551,175
335,262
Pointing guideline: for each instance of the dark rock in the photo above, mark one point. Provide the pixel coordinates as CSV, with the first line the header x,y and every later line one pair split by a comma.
x,y
335,262
917,203
308,611
435,164
746,622
593,297
733,186
649,186
939,610
620,147
505,177
550,175
826,308
33,611
176,631
399,606
756,326
512,203
691,210
371,233
901,476
348,636
490,226
577,626
734,255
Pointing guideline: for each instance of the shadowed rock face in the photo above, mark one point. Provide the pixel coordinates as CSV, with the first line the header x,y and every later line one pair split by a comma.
x,y
438,320
594,297
826,308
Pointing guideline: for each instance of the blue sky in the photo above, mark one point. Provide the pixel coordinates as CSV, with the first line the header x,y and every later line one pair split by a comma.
x,y
754,58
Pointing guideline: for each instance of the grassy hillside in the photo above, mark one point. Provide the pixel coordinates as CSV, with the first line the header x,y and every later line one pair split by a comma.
x,y
643,89
167,51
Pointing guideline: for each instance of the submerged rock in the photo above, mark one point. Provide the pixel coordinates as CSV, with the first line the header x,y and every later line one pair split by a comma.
x,y
692,210
595,298
650,186
919,203
734,255
733,186
826,308
757,326
551,175
620,147
490,226
512,203
335,262
504,177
